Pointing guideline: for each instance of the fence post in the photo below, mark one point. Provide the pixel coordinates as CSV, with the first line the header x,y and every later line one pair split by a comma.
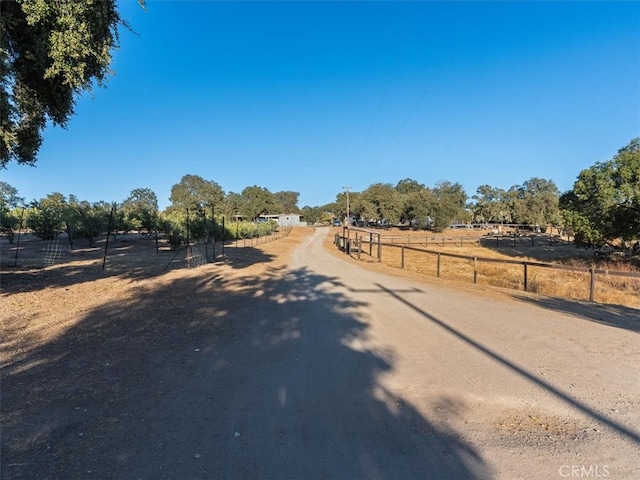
x,y
438,265
15,262
402,257
525,277
592,285
359,247
475,269
370,244
223,230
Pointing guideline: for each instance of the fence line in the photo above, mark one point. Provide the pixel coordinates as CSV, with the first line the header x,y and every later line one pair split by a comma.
x,y
354,245
500,240
195,257
259,239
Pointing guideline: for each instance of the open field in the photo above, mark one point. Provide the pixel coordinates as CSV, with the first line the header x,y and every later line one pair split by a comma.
x,y
532,248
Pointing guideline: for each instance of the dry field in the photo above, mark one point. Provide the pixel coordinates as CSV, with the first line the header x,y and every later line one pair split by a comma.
x,y
575,285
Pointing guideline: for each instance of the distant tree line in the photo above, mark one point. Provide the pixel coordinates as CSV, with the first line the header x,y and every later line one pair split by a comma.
x,y
199,209
602,207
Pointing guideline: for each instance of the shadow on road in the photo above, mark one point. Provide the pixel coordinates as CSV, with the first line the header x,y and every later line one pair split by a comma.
x,y
573,402
255,377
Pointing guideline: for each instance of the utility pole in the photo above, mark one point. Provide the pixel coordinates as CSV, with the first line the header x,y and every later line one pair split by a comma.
x,y
348,216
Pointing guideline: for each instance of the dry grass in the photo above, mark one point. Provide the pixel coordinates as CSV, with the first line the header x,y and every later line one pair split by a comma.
x,y
609,288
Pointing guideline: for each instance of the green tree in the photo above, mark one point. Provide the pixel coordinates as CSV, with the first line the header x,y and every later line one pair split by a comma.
x,y
313,215
84,220
449,206
416,201
381,202
196,193
10,217
141,209
409,185
256,201
46,216
339,207
626,181
9,196
50,53
535,202
231,204
287,202
585,233
193,200
490,205
604,204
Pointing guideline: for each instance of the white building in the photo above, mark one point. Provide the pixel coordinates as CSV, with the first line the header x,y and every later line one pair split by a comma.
x,y
284,219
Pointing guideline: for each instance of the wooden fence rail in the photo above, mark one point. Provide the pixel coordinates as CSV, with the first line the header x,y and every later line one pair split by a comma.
x,y
355,246
483,240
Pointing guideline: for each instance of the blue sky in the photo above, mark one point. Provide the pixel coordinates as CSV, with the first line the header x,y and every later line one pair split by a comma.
x,y
316,96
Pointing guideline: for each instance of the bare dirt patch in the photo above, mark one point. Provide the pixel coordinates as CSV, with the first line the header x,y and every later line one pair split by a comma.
x,y
85,350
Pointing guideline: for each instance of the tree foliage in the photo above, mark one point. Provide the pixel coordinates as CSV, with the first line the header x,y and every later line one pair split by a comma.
x,y
417,205
313,215
231,204
256,201
491,205
604,204
449,206
287,202
196,193
535,202
381,203
9,197
86,220
46,217
141,209
50,53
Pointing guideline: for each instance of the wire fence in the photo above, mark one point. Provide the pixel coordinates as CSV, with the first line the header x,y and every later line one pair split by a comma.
x,y
52,252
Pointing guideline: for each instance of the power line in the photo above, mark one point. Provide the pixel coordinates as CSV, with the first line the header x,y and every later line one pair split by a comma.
x,y
426,90
375,117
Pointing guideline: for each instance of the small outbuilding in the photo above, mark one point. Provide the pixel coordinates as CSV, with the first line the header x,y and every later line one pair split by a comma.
x,y
284,219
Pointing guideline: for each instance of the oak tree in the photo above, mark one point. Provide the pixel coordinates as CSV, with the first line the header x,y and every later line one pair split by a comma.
x,y
50,53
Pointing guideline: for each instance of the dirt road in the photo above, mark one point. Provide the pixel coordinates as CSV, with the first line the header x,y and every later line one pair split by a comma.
x,y
327,370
